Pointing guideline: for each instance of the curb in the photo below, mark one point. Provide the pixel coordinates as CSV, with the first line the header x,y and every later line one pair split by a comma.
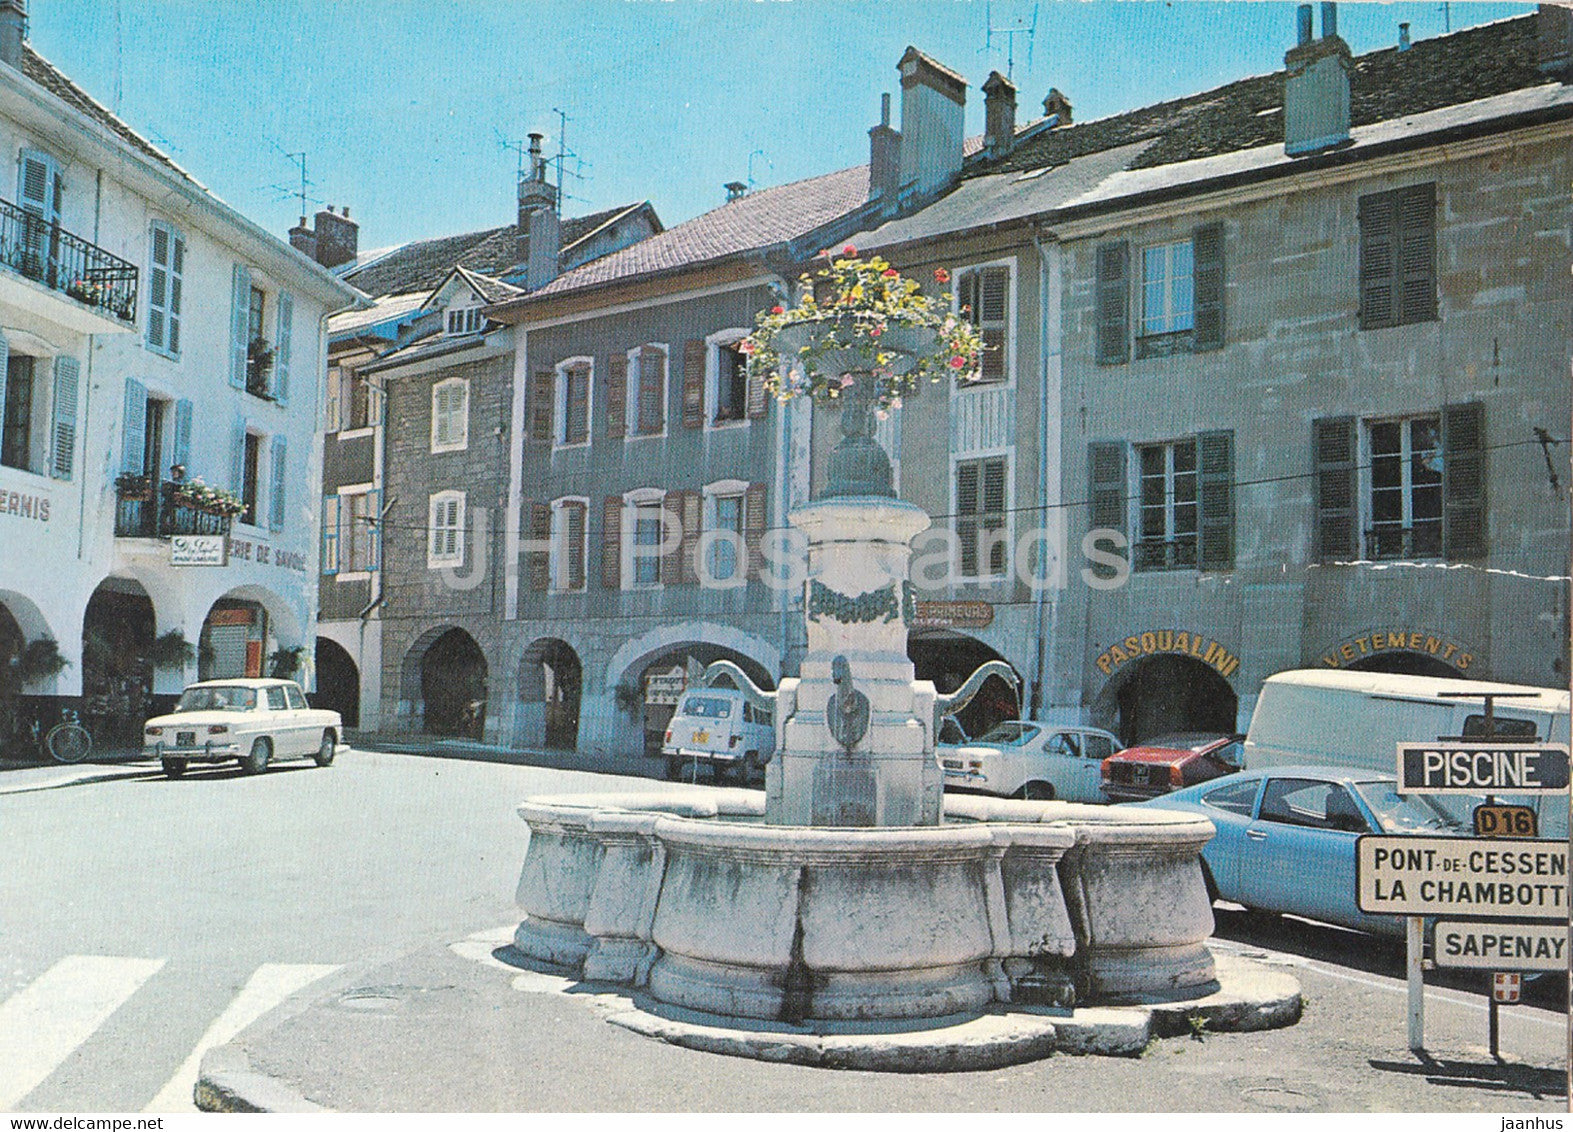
x,y
226,1082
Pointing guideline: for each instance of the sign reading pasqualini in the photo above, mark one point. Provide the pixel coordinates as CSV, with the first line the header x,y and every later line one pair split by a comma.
x,y
1482,768
1458,876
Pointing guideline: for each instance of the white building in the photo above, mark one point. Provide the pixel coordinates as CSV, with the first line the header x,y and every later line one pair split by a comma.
x,y
146,325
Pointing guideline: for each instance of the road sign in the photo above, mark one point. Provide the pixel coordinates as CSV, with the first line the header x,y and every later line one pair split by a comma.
x,y
1520,947
1505,987
1505,821
1482,768
1460,876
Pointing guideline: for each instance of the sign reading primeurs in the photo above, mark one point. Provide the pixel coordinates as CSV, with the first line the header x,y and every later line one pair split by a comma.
x,y
1456,876
1482,768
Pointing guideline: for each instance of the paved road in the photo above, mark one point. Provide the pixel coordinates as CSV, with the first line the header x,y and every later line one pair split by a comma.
x,y
143,921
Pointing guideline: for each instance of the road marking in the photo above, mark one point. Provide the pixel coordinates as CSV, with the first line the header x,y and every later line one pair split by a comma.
x,y
41,1024
269,985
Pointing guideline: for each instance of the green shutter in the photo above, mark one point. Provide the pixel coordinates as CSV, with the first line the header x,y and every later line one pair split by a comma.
x,y
1208,280
1416,253
1113,304
1107,490
1464,481
330,534
280,479
1378,261
1334,455
1215,498
181,453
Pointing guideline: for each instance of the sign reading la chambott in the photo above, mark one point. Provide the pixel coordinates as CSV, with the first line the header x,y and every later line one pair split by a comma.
x,y
1460,876
1497,947
1482,768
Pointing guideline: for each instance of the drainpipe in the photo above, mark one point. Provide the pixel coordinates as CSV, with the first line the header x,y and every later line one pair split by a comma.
x,y
87,388
1047,605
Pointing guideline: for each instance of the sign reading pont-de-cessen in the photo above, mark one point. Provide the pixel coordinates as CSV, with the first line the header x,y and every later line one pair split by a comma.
x,y
1456,876
1482,768
1495,947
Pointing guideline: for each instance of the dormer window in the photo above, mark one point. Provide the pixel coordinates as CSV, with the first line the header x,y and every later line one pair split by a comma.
x,y
465,320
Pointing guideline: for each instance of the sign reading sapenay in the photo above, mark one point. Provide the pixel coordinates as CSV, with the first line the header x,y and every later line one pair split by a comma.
x,y
1458,876
1482,768
1497,947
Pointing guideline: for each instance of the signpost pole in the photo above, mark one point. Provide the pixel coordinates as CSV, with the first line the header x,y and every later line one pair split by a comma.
x,y
1414,940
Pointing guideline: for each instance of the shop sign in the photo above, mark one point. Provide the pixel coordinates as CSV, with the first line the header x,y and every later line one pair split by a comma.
x,y
953,615
264,555
23,505
199,550
1399,640
230,617
665,687
1180,642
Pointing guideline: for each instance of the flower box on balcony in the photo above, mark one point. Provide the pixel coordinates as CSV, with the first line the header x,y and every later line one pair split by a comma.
x,y
134,488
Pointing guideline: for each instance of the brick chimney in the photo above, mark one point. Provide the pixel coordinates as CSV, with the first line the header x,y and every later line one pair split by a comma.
x,y
999,114
539,239
1057,106
303,240
337,237
1554,41
1316,87
933,101
884,155
13,31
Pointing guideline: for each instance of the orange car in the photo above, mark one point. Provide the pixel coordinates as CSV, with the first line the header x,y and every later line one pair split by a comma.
x,y
1168,762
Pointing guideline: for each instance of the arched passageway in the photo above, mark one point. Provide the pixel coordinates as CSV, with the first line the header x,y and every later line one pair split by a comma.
x,y
551,682
1166,694
1407,664
947,658
338,681
453,676
655,683
118,660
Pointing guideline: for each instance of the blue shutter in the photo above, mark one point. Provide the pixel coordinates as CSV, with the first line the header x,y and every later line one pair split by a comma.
x,y
237,448
276,512
68,372
181,452
133,440
239,325
281,342
330,534
5,365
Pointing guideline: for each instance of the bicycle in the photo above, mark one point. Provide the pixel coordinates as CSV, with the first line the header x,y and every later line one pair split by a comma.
x,y
68,741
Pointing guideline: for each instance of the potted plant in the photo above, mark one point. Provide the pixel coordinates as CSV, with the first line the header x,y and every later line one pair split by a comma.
x,y
285,662
861,337
171,650
134,486
36,660
200,496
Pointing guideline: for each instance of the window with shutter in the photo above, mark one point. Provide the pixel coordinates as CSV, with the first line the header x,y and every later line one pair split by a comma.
x,y
617,396
64,403
1208,256
985,293
645,550
756,521
283,334
541,559
650,404
1334,456
725,519
279,467
1404,493
980,517
1398,257
564,523
729,390
38,190
612,542
1113,304
543,387
1166,506
694,383
166,266
573,395
16,439
1107,493
1215,499
450,415
330,534
445,545
1464,480
240,322
359,537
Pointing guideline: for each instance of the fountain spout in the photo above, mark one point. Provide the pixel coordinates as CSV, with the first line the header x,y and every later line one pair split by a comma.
x,y
752,692
962,696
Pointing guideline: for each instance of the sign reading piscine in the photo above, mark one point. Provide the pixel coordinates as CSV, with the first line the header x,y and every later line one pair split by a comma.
x,y
1496,947
1181,642
1457,876
1482,768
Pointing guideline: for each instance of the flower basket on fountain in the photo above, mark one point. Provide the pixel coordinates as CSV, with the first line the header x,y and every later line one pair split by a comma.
x,y
861,331
199,496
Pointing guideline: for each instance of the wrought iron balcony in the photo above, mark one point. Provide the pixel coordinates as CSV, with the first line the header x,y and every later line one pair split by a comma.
x,y
150,518
46,253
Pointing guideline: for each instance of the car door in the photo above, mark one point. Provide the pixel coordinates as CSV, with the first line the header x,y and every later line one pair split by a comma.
x,y
1058,763
1231,807
277,722
1095,747
308,732
1298,855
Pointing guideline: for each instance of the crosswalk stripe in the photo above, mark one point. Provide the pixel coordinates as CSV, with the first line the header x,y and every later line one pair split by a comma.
x,y
269,985
44,1021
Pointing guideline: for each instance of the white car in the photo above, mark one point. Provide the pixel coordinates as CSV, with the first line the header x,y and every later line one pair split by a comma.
x,y
251,722
721,729
1020,759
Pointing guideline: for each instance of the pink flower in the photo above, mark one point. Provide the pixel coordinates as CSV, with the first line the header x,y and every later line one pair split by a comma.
x,y
849,250
747,346
876,332
846,380
941,275
778,310
958,362
890,273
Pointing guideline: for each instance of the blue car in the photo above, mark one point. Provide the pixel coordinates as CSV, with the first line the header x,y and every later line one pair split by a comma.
x,y
1286,837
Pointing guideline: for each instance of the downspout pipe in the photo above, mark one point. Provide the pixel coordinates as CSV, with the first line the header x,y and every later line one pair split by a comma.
x,y
1046,604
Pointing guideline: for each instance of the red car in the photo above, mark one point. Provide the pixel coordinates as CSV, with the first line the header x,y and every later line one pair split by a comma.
x,y
1169,762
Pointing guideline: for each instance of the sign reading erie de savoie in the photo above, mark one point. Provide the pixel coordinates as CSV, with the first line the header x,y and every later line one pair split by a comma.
x,y
1482,768
1457,876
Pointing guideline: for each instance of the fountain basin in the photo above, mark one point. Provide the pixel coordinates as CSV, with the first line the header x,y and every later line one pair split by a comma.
x,y
690,895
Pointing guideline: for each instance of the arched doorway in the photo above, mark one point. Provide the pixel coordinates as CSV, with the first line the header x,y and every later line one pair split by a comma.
x,y
948,658
338,682
1165,694
551,680
657,683
453,686
1407,664
118,658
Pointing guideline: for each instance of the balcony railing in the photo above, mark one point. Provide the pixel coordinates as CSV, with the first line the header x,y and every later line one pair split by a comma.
x,y
148,518
46,253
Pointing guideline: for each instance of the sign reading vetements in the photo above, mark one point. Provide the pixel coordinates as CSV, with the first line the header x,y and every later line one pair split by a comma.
x,y
1456,876
1482,768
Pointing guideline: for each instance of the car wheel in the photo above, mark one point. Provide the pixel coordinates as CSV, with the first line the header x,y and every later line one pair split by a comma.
x,y
1036,792
753,768
174,768
261,755
328,749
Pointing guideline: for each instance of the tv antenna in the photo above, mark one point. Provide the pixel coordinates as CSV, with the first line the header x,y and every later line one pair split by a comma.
x,y
1010,33
519,148
564,154
751,156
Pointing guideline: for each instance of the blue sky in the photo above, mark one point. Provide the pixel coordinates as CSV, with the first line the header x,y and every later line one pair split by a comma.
x,y
405,109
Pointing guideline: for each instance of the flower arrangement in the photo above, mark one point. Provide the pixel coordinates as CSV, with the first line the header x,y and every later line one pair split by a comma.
x,y
859,317
199,496
133,485
89,292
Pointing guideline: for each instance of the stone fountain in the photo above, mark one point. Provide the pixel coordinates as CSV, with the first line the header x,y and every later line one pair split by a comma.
x,y
853,889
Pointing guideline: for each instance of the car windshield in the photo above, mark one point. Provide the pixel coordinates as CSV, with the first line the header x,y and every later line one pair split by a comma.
x,y
707,707
1405,814
220,698
1011,731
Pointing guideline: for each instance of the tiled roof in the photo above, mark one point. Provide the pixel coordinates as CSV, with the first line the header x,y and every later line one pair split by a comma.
x,y
1464,66
490,289
423,264
46,75
757,220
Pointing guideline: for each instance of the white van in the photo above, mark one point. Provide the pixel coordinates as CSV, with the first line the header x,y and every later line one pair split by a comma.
x,y
1357,719
718,728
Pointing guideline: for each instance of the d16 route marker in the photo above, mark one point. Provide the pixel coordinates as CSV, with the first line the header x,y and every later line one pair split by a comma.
x,y
1499,946
1460,876
1482,768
